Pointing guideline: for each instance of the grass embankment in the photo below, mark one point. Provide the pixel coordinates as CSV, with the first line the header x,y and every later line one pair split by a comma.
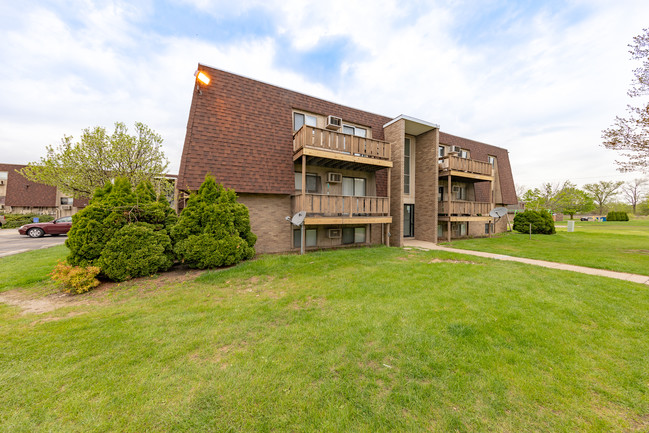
x,y
364,340
616,246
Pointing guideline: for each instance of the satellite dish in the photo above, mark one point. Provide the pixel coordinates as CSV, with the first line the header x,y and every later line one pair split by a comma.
x,y
298,218
498,212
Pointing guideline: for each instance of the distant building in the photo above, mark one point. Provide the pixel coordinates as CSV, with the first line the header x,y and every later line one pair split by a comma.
x,y
19,195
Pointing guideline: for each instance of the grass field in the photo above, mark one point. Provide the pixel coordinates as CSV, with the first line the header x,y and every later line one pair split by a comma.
x,y
617,246
362,340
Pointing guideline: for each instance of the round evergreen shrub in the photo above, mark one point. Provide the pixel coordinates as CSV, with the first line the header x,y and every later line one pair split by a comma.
x,y
213,230
113,208
136,250
541,221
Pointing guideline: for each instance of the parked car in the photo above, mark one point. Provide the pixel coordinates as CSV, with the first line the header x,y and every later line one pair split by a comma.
x,y
57,227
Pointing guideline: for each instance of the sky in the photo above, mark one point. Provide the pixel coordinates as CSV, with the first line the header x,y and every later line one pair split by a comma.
x,y
539,78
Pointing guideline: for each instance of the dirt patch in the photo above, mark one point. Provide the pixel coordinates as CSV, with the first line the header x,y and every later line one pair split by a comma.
x,y
42,305
178,275
637,251
466,262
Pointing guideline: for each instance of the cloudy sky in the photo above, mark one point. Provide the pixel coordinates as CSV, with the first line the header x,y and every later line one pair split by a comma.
x,y
540,78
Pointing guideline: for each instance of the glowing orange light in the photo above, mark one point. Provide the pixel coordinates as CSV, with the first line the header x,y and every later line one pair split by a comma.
x,y
203,78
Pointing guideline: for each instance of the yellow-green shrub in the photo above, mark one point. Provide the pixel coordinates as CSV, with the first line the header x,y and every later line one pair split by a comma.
x,y
75,279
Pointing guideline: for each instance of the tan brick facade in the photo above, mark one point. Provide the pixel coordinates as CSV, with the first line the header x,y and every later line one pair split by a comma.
x,y
426,184
395,135
267,219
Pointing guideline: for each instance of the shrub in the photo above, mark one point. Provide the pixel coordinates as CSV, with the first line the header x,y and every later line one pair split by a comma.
x,y
136,250
75,279
14,221
213,230
101,225
541,221
617,216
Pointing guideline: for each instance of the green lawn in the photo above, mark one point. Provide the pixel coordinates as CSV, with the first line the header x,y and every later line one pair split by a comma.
x,y
362,340
617,246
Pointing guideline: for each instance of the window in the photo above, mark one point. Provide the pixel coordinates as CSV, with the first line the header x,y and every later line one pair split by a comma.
x,y
66,200
4,175
486,228
310,241
459,229
409,220
353,235
406,166
460,192
300,119
491,160
354,130
463,154
440,193
440,230
441,151
354,186
312,182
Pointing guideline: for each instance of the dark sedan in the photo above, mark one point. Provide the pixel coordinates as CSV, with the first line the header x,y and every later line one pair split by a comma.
x,y
57,227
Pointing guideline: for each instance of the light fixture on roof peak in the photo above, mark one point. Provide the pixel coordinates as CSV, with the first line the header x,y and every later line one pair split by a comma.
x,y
202,77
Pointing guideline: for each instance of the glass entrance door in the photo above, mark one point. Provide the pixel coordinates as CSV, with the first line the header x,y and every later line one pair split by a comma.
x,y
408,220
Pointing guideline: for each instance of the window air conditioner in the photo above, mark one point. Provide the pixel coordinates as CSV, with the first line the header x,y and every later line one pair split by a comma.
x,y
457,149
66,207
334,177
334,122
334,233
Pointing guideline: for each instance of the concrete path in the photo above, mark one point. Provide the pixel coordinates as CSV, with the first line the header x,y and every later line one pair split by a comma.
x,y
13,243
642,279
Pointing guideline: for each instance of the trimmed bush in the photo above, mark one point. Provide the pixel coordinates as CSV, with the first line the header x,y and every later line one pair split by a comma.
x,y
136,250
541,221
13,221
99,237
75,279
213,230
617,216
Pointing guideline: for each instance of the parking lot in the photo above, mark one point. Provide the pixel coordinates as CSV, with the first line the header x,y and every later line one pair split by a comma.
x,y
13,243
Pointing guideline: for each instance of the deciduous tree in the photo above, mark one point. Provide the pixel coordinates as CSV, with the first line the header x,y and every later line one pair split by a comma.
x,y
602,192
633,191
79,168
630,135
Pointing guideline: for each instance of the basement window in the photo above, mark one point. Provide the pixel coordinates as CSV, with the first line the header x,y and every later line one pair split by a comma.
x,y
311,238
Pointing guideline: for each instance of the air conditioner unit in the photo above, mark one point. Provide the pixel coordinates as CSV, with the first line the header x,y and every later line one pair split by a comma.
x,y
334,122
334,177
334,233
457,149
66,206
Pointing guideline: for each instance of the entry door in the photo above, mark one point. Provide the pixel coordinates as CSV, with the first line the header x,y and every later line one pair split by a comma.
x,y
408,220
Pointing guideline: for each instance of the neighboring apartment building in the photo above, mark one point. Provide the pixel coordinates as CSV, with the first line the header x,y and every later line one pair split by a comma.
x,y
361,177
19,195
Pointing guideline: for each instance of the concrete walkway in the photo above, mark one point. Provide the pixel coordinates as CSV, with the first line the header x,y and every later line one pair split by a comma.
x,y
642,279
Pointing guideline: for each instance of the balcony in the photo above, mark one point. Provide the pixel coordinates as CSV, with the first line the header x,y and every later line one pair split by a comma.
x,y
465,167
326,144
472,208
338,209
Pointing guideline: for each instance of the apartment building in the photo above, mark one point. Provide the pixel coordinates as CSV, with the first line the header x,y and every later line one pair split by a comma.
x,y
19,195
361,178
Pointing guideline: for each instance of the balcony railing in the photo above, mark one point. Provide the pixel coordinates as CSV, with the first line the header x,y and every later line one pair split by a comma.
x,y
468,165
465,208
324,139
338,205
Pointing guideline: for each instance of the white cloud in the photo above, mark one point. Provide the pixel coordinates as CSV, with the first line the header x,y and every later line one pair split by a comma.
x,y
543,88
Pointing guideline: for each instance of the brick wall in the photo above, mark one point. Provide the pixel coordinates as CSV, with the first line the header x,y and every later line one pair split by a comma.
x,y
395,134
426,170
267,219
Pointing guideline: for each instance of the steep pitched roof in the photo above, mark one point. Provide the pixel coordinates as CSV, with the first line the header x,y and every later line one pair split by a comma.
x,y
24,192
240,131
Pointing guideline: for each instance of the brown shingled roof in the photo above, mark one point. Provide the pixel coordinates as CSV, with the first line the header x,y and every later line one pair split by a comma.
x,y
24,192
240,131
480,151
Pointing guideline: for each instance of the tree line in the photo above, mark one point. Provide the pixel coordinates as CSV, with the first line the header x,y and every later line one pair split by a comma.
x,y
602,196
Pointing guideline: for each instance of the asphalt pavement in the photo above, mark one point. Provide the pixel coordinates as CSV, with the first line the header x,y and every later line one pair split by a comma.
x,y
13,243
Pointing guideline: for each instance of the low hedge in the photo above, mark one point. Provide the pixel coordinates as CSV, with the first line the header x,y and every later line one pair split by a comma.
x,y
13,221
617,216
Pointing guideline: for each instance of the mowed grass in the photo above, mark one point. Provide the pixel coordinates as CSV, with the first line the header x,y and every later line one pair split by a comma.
x,y
362,340
617,246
